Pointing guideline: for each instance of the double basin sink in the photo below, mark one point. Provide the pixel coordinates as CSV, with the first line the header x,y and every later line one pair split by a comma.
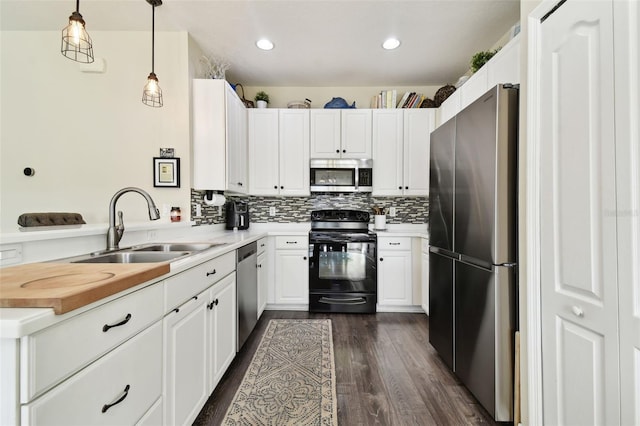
x,y
148,253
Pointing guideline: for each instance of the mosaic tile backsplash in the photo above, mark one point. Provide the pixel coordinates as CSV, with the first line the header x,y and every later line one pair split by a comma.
x,y
412,210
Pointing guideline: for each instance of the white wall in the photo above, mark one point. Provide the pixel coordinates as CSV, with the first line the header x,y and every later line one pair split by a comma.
x,y
88,134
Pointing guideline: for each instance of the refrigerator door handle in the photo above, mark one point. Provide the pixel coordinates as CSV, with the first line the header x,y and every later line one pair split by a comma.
x,y
476,262
508,265
444,252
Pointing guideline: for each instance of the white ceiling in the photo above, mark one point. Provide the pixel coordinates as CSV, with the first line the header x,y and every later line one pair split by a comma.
x,y
317,42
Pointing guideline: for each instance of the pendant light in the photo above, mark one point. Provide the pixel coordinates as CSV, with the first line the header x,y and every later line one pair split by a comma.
x,y
152,93
76,43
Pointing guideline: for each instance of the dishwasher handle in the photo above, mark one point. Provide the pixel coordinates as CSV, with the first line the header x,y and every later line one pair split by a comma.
x,y
246,251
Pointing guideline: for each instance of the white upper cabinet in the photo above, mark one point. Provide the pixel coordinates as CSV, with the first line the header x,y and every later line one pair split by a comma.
x,y
219,137
279,152
294,152
473,88
418,125
449,108
505,65
356,133
325,133
263,151
387,152
237,175
401,151
340,133
502,68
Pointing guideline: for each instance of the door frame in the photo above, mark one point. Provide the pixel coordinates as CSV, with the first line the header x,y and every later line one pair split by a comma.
x,y
533,265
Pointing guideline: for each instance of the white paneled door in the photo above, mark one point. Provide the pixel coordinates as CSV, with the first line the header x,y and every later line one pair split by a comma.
x,y
626,16
579,270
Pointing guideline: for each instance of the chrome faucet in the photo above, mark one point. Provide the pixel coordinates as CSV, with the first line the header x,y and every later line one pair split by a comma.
x,y
114,235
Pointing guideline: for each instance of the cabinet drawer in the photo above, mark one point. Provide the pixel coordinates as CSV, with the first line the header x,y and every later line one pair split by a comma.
x,y
130,374
57,352
181,287
390,243
292,242
262,245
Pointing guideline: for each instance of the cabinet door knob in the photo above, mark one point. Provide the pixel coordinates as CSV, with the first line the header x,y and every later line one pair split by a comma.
x,y
106,327
216,302
399,187
239,183
282,187
304,258
211,273
406,187
275,186
210,306
344,150
381,259
337,151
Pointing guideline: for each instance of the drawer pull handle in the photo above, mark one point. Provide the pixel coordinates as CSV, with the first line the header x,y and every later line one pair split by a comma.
x,y
211,273
292,242
122,397
126,319
394,244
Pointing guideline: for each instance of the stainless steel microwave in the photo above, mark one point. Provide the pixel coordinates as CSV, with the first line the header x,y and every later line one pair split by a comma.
x,y
341,175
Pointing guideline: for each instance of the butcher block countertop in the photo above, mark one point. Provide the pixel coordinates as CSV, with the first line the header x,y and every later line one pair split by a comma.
x,y
65,287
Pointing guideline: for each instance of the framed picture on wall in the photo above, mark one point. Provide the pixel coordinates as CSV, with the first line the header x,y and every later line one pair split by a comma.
x,y
166,172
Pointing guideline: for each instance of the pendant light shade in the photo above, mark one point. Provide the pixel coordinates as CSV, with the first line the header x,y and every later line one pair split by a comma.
x,y
152,93
76,43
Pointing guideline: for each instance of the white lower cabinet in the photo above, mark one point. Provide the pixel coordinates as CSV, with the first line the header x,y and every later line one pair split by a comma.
x,y
153,417
118,389
424,256
394,271
221,326
199,345
263,280
186,387
292,270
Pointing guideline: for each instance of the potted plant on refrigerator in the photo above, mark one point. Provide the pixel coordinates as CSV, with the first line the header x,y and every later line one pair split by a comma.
x,y
262,99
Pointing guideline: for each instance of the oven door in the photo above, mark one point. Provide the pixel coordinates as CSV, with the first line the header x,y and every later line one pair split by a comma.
x,y
342,267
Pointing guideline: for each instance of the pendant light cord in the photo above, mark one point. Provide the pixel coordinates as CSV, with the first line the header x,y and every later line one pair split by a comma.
x,y
153,32
78,6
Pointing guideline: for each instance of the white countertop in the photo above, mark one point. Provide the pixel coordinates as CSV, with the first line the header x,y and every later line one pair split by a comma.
x,y
18,322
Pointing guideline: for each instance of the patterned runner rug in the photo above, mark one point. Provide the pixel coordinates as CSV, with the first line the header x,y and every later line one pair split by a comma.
x,y
291,379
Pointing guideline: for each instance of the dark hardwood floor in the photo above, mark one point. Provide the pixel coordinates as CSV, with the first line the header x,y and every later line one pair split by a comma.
x,y
386,371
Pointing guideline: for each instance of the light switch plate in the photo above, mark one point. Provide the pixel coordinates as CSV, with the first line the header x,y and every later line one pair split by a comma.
x,y
392,211
272,211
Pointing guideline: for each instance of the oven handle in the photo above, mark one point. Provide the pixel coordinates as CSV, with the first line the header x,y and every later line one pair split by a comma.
x,y
345,301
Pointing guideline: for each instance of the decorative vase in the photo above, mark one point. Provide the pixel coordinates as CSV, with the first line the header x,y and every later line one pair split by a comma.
x,y
262,104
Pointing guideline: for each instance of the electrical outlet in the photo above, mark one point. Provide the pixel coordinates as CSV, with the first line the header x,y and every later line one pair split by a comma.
x,y
152,235
392,211
198,210
272,211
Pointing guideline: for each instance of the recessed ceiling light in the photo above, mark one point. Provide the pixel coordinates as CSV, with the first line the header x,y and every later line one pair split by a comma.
x,y
264,44
391,43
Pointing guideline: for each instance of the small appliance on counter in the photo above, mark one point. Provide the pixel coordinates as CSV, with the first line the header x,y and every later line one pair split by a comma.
x,y
237,215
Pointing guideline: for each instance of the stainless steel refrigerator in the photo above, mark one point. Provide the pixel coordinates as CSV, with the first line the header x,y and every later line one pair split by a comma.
x,y
473,246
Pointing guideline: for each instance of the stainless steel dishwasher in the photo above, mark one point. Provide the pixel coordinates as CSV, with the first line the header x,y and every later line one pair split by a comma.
x,y
247,288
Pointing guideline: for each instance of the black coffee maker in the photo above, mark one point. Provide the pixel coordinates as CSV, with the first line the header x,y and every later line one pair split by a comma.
x,y
237,215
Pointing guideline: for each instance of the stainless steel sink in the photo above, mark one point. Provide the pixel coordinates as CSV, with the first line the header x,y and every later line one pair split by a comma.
x,y
134,257
173,247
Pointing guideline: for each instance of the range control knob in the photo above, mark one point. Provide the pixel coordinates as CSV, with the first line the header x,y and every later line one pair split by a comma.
x,y
362,216
317,215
